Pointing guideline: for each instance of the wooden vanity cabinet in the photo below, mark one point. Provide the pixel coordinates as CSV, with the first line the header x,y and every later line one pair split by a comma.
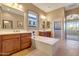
x,y
45,34
10,44
48,34
41,34
25,40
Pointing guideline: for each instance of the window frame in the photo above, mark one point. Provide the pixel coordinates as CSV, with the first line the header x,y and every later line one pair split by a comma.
x,y
37,21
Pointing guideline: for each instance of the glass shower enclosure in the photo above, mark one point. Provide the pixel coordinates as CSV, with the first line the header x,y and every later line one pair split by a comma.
x,y
72,28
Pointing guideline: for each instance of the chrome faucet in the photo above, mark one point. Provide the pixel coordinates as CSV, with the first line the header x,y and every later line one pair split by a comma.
x,y
16,30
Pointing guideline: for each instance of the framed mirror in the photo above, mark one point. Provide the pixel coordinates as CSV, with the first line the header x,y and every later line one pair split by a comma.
x,y
20,25
48,24
43,25
7,24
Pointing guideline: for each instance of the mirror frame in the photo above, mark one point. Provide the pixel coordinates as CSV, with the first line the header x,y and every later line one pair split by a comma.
x,y
4,24
36,27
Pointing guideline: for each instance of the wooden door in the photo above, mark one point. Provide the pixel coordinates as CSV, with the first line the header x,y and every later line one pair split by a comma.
x,y
16,44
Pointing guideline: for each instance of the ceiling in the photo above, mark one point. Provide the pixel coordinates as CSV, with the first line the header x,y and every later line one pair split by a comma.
x,y
47,7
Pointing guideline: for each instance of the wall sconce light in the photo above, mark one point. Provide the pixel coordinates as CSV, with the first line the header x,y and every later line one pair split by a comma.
x,y
15,5
43,17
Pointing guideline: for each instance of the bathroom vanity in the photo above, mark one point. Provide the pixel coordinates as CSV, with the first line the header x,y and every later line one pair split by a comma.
x,y
13,37
11,43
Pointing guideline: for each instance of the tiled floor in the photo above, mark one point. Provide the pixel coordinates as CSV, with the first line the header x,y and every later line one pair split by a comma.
x,y
30,52
66,48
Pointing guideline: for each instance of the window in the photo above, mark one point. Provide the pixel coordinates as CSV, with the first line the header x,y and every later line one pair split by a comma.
x,y
72,22
32,19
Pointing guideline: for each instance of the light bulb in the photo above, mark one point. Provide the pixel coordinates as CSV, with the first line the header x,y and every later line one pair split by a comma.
x,y
43,17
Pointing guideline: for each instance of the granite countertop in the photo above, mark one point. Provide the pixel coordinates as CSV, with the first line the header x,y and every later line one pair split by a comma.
x,y
6,32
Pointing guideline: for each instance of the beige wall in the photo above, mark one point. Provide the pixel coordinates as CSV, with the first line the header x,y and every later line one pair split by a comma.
x,y
12,17
51,16
57,15
72,11
26,7
0,18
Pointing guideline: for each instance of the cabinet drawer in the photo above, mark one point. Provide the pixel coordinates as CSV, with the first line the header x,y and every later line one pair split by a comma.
x,y
26,35
41,33
25,45
25,39
4,37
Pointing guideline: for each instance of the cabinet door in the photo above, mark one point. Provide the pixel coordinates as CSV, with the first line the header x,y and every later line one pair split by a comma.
x,y
7,46
10,46
25,40
48,34
16,44
25,45
0,45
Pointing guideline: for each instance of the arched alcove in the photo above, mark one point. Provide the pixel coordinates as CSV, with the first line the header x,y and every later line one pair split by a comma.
x,y
72,16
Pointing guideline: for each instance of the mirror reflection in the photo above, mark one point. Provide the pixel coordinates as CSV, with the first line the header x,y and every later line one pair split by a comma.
x,y
19,24
7,24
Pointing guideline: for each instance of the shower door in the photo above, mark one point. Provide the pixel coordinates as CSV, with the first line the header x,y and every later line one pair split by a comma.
x,y
72,29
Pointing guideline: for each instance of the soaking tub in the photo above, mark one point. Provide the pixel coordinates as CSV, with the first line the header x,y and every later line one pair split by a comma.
x,y
46,44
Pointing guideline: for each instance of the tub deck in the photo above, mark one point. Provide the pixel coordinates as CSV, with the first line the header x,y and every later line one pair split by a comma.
x,y
46,44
